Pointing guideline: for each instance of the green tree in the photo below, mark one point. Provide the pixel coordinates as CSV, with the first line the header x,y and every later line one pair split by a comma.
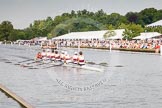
x,y
84,20
159,15
6,29
148,15
116,19
17,34
132,17
132,30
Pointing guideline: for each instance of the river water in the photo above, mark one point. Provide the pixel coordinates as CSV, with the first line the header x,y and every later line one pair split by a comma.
x,y
130,80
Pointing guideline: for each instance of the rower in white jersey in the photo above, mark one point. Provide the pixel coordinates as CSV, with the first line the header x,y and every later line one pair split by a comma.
x,y
67,58
43,53
62,56
75,58
52,55
57,56
81,60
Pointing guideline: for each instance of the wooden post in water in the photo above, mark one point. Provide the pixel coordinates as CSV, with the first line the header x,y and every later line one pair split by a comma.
x,y
11,43
110,46
41,44
161,50
78,45
29,44
15,97
5,42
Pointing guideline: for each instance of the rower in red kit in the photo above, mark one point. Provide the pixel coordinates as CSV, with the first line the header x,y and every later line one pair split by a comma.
x,y
67,58
57,56
81,60
62,56
38,56
75,58
48,54
52,55
44,54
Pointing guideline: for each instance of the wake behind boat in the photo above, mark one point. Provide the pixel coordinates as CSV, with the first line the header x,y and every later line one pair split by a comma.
x,y
86,67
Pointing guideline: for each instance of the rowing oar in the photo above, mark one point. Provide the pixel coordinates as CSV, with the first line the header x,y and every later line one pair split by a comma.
x,y
43,63
34,62
4,59
101,64
91,63
25,66
33,68
53,66
25,60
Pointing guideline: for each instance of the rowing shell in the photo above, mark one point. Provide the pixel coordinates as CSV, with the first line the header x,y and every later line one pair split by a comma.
x,y
86,67
83,67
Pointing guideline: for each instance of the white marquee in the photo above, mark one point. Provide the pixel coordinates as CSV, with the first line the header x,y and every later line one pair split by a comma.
x,y
157,23
147,35
91,35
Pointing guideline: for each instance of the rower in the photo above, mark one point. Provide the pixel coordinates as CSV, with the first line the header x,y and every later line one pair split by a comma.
x,y
38,56
62,56
43,54
67,58
57,56
81,60
48,54
52,55
75,58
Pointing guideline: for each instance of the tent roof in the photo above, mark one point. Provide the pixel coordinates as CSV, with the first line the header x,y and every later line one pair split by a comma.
x,y
90,35
147,35
40,38
119,34
157,23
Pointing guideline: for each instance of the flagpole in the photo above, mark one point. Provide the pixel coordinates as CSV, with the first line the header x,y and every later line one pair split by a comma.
x,y
78,45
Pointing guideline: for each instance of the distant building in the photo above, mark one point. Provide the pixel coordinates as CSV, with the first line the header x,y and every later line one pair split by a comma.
x,y
155,24
39,39
148,35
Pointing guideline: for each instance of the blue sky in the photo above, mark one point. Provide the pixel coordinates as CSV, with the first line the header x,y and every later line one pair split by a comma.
x,y
23,12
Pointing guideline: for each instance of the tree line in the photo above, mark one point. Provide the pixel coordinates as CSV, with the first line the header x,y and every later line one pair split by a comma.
x,y
77,21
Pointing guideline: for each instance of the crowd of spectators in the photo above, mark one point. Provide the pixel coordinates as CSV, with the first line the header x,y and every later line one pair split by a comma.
x,y
129,44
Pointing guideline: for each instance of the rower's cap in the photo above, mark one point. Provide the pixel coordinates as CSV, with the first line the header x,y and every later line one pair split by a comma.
x,y
75,53
62,52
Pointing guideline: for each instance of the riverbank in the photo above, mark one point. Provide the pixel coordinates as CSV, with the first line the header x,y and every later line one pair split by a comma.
x,y
119,49
122,49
